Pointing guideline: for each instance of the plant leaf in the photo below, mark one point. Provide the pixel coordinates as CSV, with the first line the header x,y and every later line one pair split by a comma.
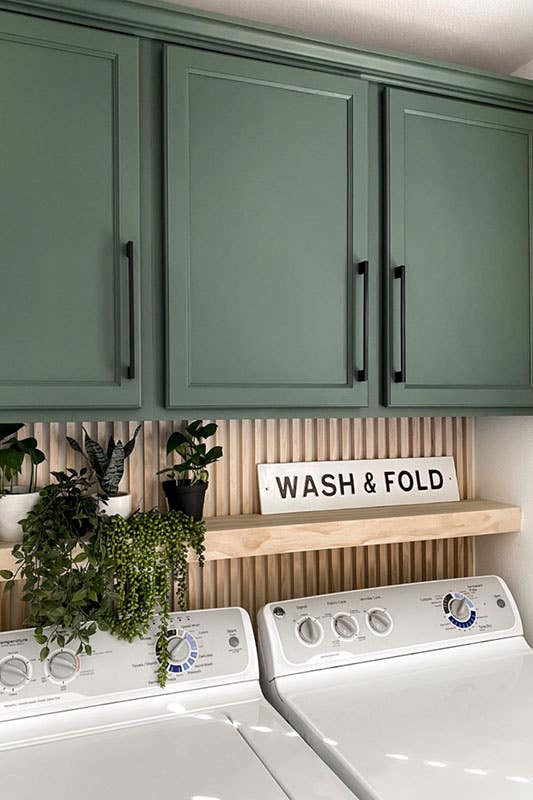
x,y
207,430
95,454
74,444
110,447
11,459
6,574
213,455
193,427
27,445
174,440
37,457
114,472
128,447
9,428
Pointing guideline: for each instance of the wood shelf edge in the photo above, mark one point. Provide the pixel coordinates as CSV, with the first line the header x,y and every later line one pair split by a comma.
x,y
256,535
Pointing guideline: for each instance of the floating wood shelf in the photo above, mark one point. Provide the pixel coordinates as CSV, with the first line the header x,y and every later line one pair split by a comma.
x,y
255,535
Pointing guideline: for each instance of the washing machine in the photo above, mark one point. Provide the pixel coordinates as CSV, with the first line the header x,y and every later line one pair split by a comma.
x,y
421,691
99,726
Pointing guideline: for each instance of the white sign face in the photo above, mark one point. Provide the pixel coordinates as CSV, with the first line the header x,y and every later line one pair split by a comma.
x,y
322,485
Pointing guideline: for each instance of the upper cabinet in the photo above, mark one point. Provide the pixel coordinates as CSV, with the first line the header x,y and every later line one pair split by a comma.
x,y
306,249
266,188
69,204
459,183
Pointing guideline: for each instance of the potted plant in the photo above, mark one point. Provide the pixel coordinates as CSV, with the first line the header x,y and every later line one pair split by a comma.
x,y
108,468
63,564
187,482
84,570
16,501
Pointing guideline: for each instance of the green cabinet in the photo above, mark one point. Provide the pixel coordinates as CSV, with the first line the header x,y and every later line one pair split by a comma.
x,y
69,200
266,203
459,178
268,185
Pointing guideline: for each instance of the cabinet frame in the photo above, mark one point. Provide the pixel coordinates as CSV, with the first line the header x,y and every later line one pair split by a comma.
x,y
405,393
181,392
121,52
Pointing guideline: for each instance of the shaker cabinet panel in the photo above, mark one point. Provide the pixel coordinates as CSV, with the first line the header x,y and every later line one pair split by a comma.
x,y
266,189
459,253
69,204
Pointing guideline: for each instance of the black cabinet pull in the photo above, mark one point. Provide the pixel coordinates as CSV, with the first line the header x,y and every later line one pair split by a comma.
x,y
399,274
362,269
131,307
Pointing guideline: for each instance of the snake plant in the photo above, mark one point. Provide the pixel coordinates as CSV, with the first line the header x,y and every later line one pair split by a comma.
x,y
108,464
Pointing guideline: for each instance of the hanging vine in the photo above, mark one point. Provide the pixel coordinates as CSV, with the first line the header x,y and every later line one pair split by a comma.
x,y
149,552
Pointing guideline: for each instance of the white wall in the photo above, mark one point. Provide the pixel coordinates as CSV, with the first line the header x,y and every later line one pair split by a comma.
x,y
504,471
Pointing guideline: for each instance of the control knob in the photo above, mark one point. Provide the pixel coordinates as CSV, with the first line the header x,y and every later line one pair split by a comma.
x,y
310,631
178,649
345,626
379,621
14,673
63,666
460,609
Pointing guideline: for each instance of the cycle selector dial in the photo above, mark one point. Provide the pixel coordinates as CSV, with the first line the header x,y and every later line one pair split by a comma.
x,y
178,649
62,667
182,650
15,672
345,626
460,609
310,631
379,621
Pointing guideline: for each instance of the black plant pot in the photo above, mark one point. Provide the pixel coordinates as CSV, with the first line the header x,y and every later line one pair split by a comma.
x,y
186,498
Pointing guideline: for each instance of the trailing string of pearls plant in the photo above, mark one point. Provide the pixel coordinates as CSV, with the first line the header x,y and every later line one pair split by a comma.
x,y
148,552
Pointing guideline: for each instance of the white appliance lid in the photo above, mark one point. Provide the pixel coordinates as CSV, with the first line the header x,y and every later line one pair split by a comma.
x,y
196,757
457,722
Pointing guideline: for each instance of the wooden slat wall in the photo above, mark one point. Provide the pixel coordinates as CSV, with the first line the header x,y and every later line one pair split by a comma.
x,y
251,582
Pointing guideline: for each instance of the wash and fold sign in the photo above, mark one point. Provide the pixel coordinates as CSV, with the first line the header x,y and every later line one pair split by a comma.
x,y
326,485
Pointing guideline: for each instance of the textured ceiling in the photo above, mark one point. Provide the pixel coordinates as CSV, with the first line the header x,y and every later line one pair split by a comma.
x,y
489,34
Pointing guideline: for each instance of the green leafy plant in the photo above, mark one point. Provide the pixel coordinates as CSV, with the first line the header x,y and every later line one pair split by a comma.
x,y
12,454
148,552
195,456
64,563
108,464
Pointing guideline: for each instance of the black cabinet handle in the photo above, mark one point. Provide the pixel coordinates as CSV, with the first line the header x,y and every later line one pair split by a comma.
x,y
399,274
131,307
362,269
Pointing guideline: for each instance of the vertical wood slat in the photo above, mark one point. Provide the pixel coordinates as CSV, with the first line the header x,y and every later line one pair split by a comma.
x,y
251,582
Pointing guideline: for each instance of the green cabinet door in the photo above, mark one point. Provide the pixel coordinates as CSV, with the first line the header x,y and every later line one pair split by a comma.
x,y
459,223
266,191
68,207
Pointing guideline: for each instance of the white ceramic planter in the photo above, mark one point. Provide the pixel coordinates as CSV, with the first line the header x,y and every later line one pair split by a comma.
x,y
121,505
13,508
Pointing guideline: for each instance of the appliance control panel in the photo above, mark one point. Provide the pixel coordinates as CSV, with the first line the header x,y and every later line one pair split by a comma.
x,y
368,624
205,648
